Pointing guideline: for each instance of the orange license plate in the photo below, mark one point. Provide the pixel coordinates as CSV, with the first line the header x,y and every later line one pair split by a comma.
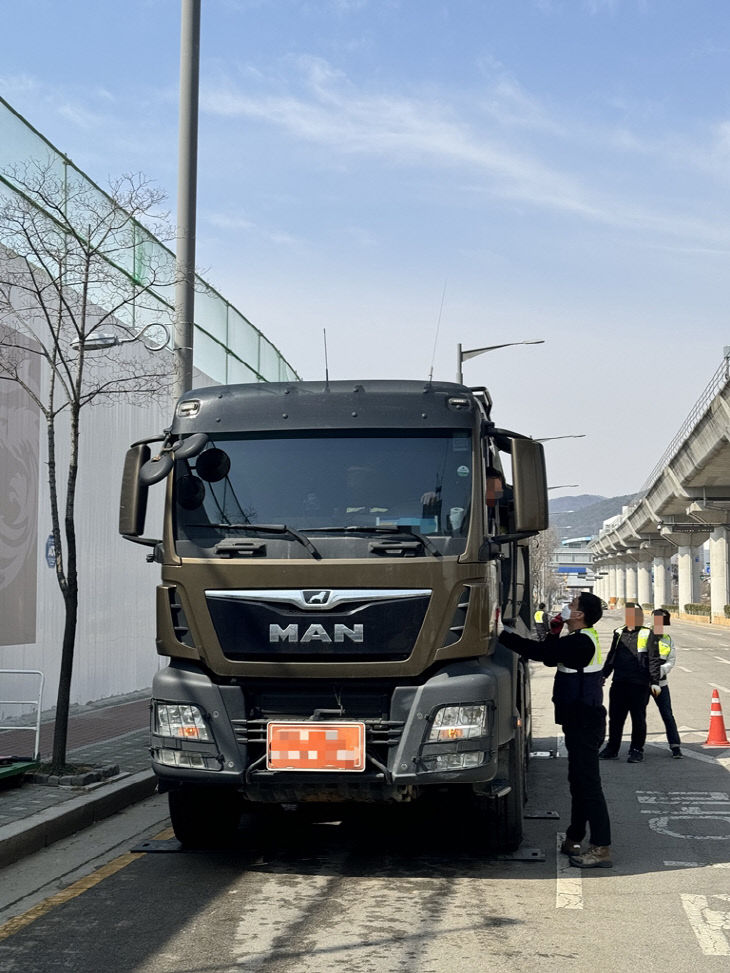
x,y
315,746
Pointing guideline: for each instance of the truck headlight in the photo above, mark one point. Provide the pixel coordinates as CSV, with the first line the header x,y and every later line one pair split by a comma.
x,y
454,761
183,722
178,758
458,723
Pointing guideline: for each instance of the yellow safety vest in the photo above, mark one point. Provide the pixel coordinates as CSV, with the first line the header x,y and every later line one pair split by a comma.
x,y
642,638
596,663
665,646
539,616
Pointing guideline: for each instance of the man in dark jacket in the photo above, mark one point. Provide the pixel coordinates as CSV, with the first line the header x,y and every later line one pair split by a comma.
x,y
635,663
578,701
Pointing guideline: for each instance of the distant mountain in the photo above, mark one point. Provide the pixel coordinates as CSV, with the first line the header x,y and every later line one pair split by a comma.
x,y
583,515
561,504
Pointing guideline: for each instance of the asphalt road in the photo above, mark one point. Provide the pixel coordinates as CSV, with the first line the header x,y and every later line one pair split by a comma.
x,y
389,891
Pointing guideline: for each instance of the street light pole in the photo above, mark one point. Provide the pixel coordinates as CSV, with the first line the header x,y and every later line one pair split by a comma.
x,y
186,196
462,356
549,439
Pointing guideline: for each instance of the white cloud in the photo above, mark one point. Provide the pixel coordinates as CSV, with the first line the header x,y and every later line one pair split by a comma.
x,y
330,111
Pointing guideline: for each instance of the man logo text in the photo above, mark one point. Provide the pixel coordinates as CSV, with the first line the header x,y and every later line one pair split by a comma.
x,y
315,633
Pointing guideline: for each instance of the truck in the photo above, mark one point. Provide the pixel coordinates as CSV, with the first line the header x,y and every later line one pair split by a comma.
x,y
336,559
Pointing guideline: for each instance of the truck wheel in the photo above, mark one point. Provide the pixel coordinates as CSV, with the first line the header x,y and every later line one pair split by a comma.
x,y
204,817
508,809
500,818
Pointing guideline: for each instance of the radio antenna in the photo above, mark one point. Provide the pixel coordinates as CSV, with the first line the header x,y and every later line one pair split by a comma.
x,y
436,336
326,365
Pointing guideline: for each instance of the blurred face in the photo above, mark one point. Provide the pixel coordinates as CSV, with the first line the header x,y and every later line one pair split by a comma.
x,y
658,623
634,618
495,489
576,619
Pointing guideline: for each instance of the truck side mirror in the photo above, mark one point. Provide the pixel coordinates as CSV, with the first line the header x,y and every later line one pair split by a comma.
x,y
133,499
529,485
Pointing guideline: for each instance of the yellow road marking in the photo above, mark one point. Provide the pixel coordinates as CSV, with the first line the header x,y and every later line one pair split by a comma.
x,y
12,926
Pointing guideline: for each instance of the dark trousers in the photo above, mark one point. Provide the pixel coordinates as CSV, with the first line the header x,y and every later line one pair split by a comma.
x,y
664,702
584,734
625,698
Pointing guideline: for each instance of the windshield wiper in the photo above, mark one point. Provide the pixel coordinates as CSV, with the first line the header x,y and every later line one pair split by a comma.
x,y
379,529
269,529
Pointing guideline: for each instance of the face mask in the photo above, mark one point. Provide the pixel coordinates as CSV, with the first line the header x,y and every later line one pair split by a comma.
x,y
565,613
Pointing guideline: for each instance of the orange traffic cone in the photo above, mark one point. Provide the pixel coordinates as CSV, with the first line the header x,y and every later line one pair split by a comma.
x,y
716,735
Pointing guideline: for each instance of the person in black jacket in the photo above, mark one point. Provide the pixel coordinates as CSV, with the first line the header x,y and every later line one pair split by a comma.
x,y
635,663
578,701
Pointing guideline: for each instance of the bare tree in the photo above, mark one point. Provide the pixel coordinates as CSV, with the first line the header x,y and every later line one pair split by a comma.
x,y
545,584
78,268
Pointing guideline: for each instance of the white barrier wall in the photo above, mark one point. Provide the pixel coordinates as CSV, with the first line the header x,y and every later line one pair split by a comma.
x,y
115,643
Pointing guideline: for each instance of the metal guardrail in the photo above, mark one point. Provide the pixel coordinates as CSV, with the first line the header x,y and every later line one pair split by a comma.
x,y
36,702
718,381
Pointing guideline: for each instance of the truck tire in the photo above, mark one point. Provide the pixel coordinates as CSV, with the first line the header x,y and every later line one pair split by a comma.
x,y
204,817
508,810
499,819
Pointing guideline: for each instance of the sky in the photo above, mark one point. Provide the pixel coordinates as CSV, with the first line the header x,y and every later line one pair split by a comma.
x,y
409,175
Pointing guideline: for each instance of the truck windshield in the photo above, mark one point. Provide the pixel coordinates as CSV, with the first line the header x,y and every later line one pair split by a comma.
x,y
323,482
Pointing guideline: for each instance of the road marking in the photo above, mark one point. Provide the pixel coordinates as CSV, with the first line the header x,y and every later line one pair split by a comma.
x,y
683,668
73,891
697,864
708,924
693,755
661,826
684,806
716,686
721,659
569,885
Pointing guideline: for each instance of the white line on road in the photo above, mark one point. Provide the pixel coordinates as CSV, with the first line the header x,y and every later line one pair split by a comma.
x,y
708,924
569,886
671,864
716,686
720,659
692,754
684,668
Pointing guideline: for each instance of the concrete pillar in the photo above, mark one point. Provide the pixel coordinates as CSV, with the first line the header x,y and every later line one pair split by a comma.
x,y
611,581
687,576
698,561
620,582
632,581
662,581
719,572
644,582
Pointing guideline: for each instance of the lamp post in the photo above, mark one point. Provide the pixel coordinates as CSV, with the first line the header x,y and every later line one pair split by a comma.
x,y
186,196
105,339
549,439
462,356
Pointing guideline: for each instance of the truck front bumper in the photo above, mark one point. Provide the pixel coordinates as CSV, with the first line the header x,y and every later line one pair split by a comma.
x,y
410,750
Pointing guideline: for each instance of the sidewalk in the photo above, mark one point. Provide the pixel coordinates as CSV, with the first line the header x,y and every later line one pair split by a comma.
x,y
35,815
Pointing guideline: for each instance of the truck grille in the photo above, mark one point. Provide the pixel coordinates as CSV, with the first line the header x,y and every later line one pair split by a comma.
x,y
377,732
318,625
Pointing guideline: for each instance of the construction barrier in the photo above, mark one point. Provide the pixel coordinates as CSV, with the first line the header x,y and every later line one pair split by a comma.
x,y
716,735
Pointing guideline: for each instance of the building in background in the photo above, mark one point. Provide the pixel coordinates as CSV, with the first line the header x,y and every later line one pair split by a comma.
x,y
572,564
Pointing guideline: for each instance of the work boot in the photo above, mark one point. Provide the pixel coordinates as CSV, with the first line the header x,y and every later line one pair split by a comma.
x,y
677,753
596,856
569,847
608,753
635,756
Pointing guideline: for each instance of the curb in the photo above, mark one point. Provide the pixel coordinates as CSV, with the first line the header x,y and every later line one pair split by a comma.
x,y
37,831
